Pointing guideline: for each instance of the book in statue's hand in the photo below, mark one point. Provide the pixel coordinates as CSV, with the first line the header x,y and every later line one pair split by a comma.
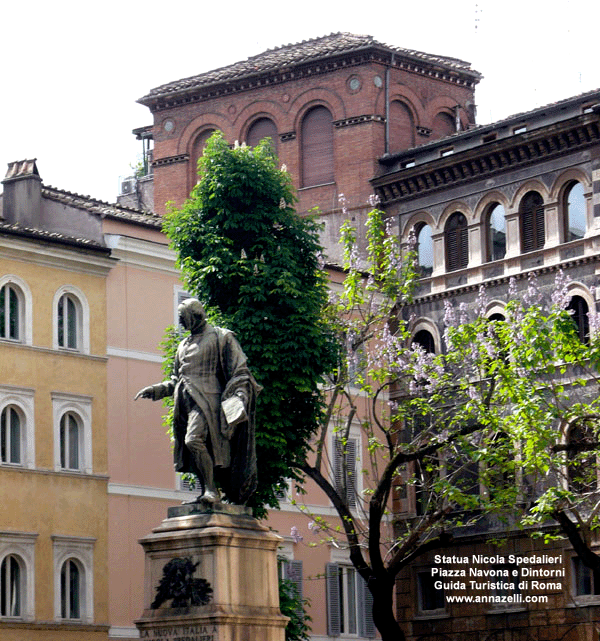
x,y
234,410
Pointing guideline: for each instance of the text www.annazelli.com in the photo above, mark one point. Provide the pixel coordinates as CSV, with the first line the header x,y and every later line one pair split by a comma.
x,y
497,598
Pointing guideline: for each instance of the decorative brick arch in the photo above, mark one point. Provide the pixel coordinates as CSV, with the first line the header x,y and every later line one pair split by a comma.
x,y
211,120
316,97
260,109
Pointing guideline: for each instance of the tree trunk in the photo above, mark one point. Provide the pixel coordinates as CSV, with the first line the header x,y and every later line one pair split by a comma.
x,y
382,590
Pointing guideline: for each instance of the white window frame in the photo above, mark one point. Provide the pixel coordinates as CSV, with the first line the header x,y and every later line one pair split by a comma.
x,y
83,319
25,308
81,550
80,406
22,545
22,399
363,600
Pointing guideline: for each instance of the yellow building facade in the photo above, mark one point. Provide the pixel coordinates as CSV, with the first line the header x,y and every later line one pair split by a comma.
x,y
53,436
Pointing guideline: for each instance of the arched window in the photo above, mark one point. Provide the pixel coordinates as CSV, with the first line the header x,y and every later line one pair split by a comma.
x,y
402,127
582,471
317,147
11,435
11,312
262,128
443,125
457,242
425,250
69,322
574,212
70,442
198,149
11,587
496,232
71,590
579,310
425,340
533,228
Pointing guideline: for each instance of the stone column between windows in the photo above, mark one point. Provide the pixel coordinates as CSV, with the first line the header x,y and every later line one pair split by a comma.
x,y
513,234
596,192
439,254
554,233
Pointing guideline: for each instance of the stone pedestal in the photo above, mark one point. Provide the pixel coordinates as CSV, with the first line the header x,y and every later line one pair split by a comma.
x,y
236,555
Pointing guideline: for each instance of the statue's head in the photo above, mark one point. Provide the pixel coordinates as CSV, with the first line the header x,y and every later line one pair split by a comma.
x,y
192,314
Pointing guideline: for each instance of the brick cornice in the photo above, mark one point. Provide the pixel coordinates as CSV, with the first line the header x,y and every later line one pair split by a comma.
x,y
369,55
358,120
170,160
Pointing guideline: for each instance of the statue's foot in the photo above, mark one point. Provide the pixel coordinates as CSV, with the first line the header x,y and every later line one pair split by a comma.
x,y
210,496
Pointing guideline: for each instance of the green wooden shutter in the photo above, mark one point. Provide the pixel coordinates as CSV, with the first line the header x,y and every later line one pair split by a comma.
x,y
332,588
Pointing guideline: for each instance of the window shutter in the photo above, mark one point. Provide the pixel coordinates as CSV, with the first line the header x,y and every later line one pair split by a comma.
x,y
365,608
344,465
540,227
457,242
262,128
317,147
332,587
533,233
293,572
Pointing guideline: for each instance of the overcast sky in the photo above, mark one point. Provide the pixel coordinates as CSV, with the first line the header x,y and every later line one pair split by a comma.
x,y
72,71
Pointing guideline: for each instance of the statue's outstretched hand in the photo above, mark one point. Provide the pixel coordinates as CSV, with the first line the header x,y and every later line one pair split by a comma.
x,y
146,392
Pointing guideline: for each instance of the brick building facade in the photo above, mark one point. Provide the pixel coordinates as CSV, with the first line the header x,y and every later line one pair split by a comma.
x,y
332,107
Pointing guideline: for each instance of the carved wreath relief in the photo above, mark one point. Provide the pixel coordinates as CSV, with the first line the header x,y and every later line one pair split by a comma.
x,y
177,583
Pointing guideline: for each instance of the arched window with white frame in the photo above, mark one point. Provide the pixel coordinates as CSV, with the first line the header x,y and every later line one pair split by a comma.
x,y
72,432
12,426
70,441
17,439
15,310
17,563
11,587
10,313
71,320
73,578
71,583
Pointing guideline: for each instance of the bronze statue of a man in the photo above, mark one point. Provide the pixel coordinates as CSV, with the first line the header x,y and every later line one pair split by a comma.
x,y
214,397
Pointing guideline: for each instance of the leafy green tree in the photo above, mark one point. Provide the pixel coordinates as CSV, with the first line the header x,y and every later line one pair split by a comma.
x,y
254,263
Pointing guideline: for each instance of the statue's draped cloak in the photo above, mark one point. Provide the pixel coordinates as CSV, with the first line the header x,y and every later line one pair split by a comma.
x,y
211,367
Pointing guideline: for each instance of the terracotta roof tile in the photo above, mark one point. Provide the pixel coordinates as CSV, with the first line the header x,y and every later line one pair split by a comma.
x,y
42,234
101,208
304,52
